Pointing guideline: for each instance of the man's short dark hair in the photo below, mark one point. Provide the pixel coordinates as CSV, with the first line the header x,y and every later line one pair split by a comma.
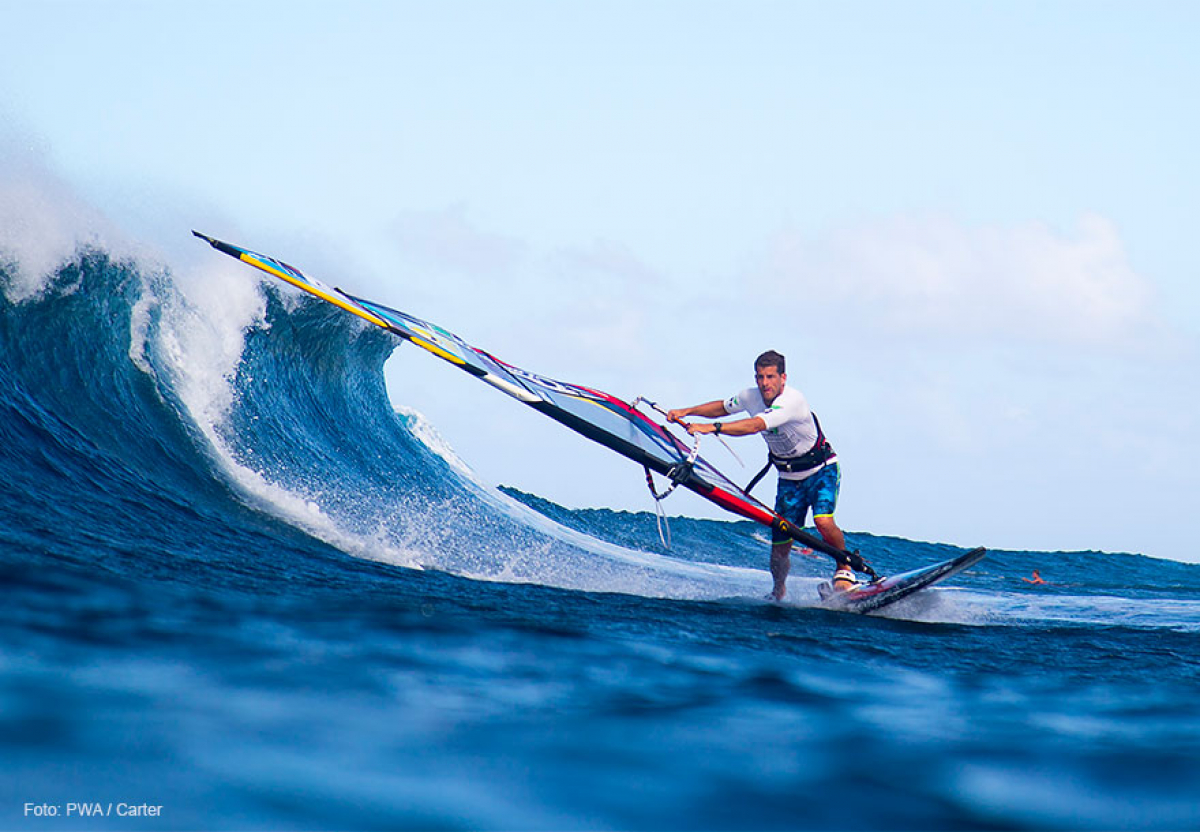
x,y
770,358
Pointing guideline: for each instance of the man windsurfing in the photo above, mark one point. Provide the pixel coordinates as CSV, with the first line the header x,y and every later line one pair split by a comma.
x,y
809,475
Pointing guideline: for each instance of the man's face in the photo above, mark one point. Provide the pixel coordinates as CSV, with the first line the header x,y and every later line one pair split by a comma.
x,y
770,382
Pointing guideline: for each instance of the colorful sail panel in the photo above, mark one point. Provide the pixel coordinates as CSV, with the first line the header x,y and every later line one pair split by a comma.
x,y
599,416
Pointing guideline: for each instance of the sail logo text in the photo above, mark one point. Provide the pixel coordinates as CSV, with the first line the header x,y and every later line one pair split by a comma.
x,y
549,383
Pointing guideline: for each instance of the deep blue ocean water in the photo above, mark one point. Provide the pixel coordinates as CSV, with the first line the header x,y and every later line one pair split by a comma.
x,y
241,590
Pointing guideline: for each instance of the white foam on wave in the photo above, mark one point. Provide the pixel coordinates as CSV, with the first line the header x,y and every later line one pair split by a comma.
x,y
44,223
428,435
567,558
1039,610
202,339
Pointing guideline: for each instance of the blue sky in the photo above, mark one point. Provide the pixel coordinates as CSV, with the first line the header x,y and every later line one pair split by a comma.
x,y
968,225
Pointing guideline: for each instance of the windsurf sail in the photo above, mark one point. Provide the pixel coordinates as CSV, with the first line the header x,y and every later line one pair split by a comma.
x,y
601,417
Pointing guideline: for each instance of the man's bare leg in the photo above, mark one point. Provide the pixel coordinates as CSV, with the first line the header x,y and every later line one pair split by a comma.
x,y
781,564
833,536
830,532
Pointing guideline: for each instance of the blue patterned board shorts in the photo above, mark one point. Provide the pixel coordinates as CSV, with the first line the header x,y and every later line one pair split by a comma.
x,y
795,497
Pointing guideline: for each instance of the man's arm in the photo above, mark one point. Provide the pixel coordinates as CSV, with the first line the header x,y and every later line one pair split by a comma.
x,y
740,427
714,410
709,410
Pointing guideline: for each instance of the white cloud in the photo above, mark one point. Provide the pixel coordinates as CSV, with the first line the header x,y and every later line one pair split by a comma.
x,y
554,309
449,240
933,276
600,327
603,264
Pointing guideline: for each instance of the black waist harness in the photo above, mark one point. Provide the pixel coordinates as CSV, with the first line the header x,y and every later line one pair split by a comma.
x,y
818,454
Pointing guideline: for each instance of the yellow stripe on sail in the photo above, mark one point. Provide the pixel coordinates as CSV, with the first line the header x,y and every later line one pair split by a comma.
x,y
436,350
313,290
